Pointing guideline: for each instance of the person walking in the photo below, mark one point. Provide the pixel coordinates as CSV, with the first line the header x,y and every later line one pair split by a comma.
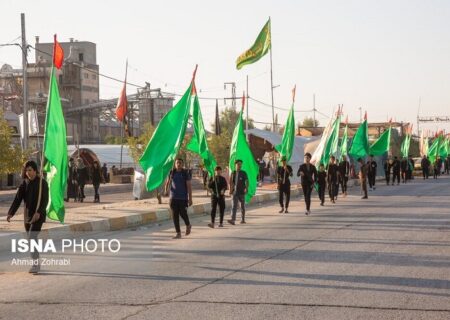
x,y
344,173
82,176
33,191
217,186
404,169
105,173
363,177
72,181
179,184
322,183
96,180
238,190
425,164
308,176
332,179
396,171
372,172
284,171
387,170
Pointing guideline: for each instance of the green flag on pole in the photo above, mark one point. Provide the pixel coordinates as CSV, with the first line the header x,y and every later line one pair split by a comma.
x,y
286,146
55,152
360,143
443,150
240,149
198,143
332,144
162,149
433,151
258,49
382,144
344,142
404,148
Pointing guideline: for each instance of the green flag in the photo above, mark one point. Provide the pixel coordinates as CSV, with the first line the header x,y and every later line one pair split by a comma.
x,y
162,149
286,146
258,49
332,144
404,148
55,152
240,149
198,143
433,151
443,150
360,143
382,144
344,142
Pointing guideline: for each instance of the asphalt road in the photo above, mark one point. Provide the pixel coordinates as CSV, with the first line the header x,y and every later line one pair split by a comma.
x,y
387,257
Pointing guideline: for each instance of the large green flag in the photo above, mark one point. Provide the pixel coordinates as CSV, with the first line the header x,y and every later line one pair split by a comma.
x,y
433,151
286,146
382,144
360,143
332,145
240,149
55,152
344,142
404,148
258,49
162,149
443,150
198,143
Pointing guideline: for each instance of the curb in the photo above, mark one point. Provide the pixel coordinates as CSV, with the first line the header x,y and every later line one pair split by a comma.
x,y
130,221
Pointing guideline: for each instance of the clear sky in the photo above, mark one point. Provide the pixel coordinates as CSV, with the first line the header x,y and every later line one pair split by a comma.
x,y
380,55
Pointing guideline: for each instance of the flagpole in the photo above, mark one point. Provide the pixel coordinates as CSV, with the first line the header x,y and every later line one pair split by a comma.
x,y
122,122
271,76
246,120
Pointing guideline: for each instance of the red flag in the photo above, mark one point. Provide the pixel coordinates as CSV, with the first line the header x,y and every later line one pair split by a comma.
x,y
58,54
365,116
194,89
122,104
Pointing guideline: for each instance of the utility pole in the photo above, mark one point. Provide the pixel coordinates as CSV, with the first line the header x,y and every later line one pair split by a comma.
x,y
25,82
314,110
233,92
246,120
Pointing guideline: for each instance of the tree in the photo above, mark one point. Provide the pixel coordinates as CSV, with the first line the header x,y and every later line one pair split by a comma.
x,y
309,122
220,148
110,139
228,118
137,144
11,155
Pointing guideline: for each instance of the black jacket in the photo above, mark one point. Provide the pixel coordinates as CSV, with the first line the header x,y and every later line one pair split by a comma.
x,y
332,173
283,175
28,192
310,174
344,168
96,176
217,184
322,178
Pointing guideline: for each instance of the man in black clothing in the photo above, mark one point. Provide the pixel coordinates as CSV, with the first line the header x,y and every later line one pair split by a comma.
x,y
284,184
425,164
238,190
372,172
344,172
308,175
396,171
322,182
179,183
332,179
34,193
404,169
387,170
217,185
105,173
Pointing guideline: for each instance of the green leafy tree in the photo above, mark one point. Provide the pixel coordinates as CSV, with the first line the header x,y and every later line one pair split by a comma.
x,y
137,144
11,155
228,118
309,122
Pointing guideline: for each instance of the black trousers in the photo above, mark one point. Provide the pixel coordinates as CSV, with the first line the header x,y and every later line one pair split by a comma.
x,y
284,190
343,182
396,176
97,195
425,172
307,190
214,202
371,177
387,175
322,192
179,208
33,232
333,189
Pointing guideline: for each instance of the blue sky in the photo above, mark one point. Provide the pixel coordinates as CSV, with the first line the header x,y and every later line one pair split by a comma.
x,y
378,55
